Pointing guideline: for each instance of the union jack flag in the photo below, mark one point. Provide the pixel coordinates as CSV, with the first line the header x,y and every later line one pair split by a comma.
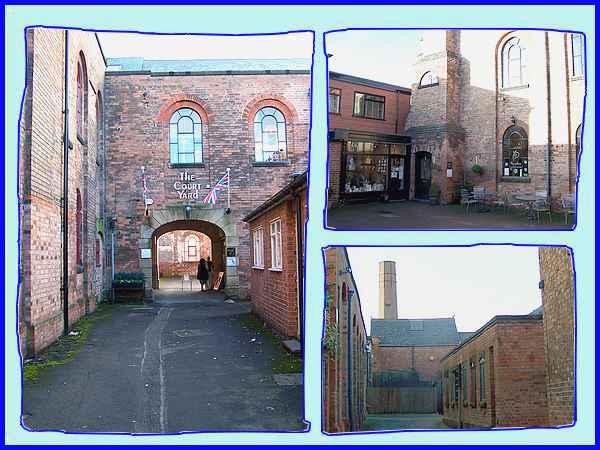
x,y
223,183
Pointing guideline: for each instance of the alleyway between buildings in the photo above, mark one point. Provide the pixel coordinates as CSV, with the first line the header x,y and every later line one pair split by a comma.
x,y
188,362
403,422
417,215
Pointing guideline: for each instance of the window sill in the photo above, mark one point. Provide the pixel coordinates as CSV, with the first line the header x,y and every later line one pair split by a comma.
x,y
335,113
81,139
515,179
514,88
276,269
186,166
271,163
428,86
368,118
258,267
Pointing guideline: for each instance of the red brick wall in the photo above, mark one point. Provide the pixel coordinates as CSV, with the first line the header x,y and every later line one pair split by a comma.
x,y
558,297
274,293
137,115
515,388
418,358
41,169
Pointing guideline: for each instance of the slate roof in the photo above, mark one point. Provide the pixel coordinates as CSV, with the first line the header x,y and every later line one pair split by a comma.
x,y
464,335
398,333
539,311
153,66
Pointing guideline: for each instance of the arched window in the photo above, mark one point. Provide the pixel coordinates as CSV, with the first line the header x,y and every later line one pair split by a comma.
x,y
192,244
514,62
79,232
98,250
578,140
514,152
270,143
81,98
185,137
428,79
577,54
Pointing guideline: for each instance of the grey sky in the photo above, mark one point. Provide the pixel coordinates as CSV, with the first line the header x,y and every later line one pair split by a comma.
x,y
293,45
473,284
386,56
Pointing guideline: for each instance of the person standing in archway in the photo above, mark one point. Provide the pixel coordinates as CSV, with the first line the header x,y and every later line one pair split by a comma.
x,y
210,266
203,274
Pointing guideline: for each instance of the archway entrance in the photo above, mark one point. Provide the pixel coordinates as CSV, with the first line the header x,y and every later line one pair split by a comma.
x,y
182,243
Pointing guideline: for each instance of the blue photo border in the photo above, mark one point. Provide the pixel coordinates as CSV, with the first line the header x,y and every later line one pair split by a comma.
x,y
304,419
482,244
585,78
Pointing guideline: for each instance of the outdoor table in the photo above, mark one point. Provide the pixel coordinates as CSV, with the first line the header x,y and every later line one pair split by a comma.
x,y
484,202
530,200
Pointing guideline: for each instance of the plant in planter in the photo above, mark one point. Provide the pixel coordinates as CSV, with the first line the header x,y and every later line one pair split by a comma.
x,y
128,286
477,169
434,194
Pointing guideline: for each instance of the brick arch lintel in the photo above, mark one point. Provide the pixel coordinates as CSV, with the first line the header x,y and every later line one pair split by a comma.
x,y
270,99
184,101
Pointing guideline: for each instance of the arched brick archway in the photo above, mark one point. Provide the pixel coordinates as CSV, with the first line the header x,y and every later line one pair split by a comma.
x,y
214,233
213,222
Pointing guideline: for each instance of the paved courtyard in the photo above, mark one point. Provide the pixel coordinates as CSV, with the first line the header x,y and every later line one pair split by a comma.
x,y
403,422
418,215
188,362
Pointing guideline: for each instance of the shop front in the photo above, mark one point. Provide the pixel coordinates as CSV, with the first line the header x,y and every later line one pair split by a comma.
x,y
374,166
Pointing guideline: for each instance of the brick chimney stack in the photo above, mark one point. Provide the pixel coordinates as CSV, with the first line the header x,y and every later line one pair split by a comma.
x,y
388,303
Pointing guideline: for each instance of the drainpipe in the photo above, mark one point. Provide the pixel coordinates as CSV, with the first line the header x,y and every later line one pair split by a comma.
x,y
350,356
397,110
65,205
300,268
549,163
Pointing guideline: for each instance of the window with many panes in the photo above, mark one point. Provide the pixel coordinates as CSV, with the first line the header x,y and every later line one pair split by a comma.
x,y
257,246
369,106
514,63
276,251
482,377
185,137
577,54
514,153
191,245
270,141
81,112
335,96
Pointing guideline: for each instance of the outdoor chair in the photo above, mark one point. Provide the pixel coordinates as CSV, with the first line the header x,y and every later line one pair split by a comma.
x,y
467,199
568,205
499,201
186,278
541,206
513,203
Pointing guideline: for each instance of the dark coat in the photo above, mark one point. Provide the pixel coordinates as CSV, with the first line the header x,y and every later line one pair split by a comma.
x,y
202,271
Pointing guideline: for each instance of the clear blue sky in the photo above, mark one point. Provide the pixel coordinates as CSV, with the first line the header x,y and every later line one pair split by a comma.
x,y
386,56
473,284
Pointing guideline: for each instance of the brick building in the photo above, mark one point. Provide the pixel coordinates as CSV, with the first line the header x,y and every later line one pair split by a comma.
x,y
368,154
144,143
277,279
558,298
508,101
497,377
345,355
180,251
61,163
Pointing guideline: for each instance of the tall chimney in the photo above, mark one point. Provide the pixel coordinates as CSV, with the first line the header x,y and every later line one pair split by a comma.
x,y
388,303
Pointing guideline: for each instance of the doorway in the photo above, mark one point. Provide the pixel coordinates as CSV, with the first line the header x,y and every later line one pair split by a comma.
x,y
398,185
422,175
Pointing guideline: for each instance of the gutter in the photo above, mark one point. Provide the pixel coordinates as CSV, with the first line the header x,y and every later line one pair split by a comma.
x,y
65,203
101,50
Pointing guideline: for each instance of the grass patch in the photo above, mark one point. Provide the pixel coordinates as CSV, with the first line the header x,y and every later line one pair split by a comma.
x,y
283,361
66,347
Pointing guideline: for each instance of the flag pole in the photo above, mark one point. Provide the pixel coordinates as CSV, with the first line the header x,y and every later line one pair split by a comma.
x,y
228,189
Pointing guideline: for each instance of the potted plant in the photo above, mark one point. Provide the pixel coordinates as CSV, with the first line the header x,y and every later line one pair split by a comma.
x,y
477,169
434,194
128,286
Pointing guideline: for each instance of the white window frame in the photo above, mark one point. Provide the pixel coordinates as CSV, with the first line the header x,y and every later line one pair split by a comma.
x,y
258,243
276,245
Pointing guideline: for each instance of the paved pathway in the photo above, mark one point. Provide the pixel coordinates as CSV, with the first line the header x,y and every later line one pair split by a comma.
x,y
185,363
403,422
417,215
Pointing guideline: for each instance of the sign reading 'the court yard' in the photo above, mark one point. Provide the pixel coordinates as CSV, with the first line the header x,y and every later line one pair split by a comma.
x,y
186,186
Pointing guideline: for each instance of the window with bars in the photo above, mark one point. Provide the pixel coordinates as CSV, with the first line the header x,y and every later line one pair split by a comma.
x,y
270,140
369,106
577,54
258,249
335,96
276,251
514,63
185,137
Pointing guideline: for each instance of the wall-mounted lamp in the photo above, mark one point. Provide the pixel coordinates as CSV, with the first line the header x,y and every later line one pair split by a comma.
x,y
541,284
227,210
188,211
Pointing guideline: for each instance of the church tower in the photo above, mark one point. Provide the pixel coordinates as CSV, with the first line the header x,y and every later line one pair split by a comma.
x,y
434,121
388,303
